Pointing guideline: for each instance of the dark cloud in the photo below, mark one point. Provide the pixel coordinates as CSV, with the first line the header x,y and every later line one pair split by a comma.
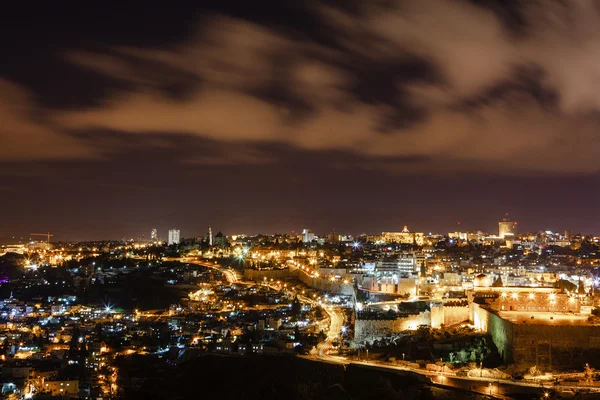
x,y
528,81
220,95
129,194
510,12
430,78
400,69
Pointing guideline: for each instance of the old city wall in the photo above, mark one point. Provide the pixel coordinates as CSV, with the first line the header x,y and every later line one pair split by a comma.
x,y
499,329
326,285
448,314
548,346
336,287
455,314
404,286
365,329
556,346
260,275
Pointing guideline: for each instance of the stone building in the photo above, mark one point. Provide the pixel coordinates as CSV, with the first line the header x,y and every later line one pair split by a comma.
x,y
536,326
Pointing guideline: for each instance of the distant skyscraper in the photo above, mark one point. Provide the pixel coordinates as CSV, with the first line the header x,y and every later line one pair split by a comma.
x,y
219,239
506,227
569,235
307,236
174,236
154,234
210,237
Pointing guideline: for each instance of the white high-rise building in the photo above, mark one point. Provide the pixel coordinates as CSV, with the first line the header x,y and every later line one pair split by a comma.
x,y
400,265
307,236
174,235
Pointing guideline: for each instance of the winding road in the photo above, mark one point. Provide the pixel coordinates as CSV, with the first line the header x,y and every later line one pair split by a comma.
x,y
501,389
229,274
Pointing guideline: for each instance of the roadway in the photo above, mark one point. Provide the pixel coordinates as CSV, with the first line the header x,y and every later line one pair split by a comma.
x,y
497,388
230,275
336,321
492,387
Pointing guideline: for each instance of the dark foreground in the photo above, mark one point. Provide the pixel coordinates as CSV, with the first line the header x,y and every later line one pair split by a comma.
x,y
262,377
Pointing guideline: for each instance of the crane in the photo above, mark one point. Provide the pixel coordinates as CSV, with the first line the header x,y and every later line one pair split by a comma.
x,y
48,235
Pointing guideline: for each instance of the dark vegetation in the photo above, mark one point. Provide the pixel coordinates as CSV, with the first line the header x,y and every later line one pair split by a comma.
x,y
262,377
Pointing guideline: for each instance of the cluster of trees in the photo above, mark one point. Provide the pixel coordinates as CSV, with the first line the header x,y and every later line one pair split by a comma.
x,y
467,347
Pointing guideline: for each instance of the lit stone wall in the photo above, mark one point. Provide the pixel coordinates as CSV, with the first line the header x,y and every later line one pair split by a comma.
x,y
527,299
437,315
366,329
337,286
448,314
455,314
401,286
560,346
539,302
259,275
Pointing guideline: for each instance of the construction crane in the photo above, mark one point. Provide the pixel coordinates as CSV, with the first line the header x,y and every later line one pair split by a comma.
x,y
48,235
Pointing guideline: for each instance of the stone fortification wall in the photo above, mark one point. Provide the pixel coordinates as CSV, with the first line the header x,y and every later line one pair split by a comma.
x,y
365,329
326,285
401,286
499,329
259,275
335,287
450,313
549,346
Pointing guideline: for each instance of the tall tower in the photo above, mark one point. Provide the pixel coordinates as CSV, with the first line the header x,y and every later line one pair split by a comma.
x,y
307,235
154,235
210,237
569,235
174,236
506,227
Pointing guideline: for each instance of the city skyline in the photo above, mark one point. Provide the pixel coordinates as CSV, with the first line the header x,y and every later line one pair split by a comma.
x,y
279,116
503,225
307,199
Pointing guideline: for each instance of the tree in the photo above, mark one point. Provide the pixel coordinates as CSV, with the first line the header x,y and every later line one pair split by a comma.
x,y
296,308
321,336
463,355
534,371
319,312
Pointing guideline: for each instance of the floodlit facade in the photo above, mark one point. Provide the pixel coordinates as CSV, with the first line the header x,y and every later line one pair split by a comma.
x,y
174,236
61,388
507,228
404,237
546,327
307,236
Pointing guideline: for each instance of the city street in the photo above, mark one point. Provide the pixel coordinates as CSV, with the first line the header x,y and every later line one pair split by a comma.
x,y
501,389
229,274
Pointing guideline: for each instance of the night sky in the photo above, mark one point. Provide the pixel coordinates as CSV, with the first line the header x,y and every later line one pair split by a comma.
x,y
273,116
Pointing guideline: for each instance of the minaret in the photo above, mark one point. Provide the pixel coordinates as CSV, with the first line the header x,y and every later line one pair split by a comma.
x,y
210,236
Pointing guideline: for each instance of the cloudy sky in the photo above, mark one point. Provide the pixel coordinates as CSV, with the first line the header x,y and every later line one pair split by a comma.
x,y
273,116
